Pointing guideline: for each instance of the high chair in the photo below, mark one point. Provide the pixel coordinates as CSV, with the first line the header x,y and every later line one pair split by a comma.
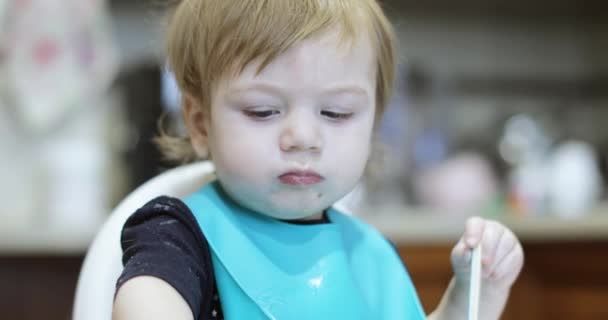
x,y
103,262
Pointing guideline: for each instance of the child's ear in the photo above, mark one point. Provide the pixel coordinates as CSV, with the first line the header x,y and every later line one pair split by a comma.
x,y
197,121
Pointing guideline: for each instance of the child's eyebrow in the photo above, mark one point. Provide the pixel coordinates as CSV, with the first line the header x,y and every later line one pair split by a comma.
x,y
353,89
264,87
349,89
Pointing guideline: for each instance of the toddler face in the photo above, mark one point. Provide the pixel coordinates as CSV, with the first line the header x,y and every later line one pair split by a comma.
x,y
290,141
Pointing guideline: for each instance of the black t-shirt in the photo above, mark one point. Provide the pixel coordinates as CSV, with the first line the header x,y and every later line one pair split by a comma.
x,y
162,239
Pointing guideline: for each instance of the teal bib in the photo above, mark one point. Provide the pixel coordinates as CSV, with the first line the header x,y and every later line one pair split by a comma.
x,y
269,269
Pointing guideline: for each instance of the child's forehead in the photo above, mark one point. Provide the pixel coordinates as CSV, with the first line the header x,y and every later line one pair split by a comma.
x,y
311,68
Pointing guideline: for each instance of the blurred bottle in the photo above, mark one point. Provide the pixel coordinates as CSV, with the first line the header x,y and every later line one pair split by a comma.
x,y
564,180
461,185
525,146
574,185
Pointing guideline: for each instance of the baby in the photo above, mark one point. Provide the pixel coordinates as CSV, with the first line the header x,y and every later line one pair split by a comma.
x,y
283,97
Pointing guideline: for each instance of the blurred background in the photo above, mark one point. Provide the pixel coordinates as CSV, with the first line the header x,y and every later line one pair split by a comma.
x,y
499,110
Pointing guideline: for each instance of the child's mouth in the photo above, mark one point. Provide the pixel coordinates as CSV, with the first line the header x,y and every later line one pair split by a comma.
x,y
300,178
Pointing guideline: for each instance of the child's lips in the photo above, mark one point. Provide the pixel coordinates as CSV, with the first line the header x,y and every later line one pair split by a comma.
x,y
300,178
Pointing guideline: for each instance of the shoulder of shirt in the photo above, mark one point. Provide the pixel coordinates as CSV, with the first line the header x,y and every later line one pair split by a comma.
x,y
162,206
160,211
165,203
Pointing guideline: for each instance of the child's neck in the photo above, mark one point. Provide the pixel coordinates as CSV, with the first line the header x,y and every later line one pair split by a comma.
x,y
316,220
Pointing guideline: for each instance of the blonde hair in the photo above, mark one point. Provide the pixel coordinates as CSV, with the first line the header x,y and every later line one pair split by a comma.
x,y
208,40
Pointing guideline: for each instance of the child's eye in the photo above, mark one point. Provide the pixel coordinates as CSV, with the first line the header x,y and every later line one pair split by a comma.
x,y
336,115
261,114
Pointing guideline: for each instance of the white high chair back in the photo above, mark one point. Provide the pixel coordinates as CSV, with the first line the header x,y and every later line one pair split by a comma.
x,y
103,262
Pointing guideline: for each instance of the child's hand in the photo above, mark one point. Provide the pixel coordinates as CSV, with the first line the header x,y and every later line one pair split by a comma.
x,y
502,254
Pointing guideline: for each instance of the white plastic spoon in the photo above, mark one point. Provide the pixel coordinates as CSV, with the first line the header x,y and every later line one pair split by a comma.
x,y
475,283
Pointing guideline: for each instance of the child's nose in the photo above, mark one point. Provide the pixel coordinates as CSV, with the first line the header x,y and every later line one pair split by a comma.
x,y
300,134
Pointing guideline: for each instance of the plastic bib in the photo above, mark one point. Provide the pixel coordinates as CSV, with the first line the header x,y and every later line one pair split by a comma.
x,y
269,269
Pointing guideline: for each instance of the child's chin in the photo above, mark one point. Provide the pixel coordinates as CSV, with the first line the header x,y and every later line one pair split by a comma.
x,y
297,212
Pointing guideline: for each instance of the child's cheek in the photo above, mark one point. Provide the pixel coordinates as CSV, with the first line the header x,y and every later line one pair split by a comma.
x,y
243,155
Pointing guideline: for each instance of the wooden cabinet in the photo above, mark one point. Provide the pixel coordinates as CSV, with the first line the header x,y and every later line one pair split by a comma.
x,y
38,287
560,280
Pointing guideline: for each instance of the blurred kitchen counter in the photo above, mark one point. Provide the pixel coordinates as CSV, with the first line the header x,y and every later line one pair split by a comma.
x,y
29,242
400,224
415,226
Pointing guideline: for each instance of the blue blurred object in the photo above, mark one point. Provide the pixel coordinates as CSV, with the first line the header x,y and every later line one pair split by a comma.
x,y
170,94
